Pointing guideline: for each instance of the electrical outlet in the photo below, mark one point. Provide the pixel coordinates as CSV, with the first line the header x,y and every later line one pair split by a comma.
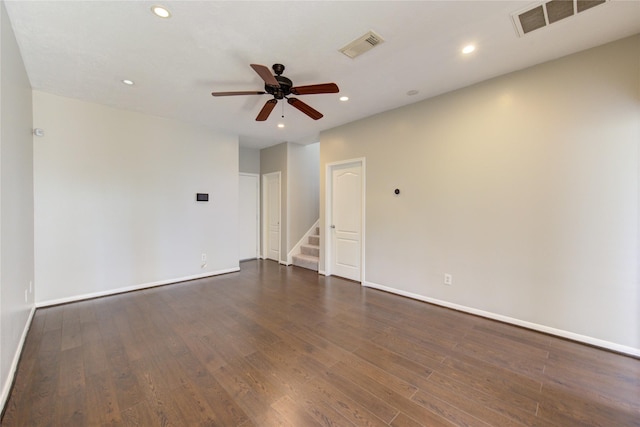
x,y
204,257
448,279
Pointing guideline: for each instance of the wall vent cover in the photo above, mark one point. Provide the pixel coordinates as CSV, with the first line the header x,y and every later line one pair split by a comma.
x,y
362,45
544,14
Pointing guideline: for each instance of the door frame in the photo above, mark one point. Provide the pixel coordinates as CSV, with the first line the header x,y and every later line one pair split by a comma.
x,y
265,215
258,213
328,247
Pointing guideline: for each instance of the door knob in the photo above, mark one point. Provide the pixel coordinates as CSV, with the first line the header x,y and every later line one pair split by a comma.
x,y
332,226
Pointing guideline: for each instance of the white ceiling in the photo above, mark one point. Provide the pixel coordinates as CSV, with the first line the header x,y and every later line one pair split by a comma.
x,y
83,49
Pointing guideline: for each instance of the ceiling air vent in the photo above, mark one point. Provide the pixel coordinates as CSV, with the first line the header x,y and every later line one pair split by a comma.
x,y
362,44
542,15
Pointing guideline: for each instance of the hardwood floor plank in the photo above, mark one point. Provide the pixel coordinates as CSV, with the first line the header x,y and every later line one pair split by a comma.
x,y
405,369
294,413
301,342
404,421
499,357
72,373
352,410
68,412
157,396
139,415
450,412
192,407
249,402
101,402
71,328
280,346
518,389
565,404
460,393
372,386
374,404
54,318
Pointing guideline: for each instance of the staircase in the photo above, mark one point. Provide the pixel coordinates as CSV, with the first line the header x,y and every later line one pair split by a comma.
x,y
309,253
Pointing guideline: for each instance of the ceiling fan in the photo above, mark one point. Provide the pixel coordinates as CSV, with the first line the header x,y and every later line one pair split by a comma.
x,y
281,87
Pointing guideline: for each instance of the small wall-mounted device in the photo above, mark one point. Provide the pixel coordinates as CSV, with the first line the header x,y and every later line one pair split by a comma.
x,y
202,197
396,191
38,132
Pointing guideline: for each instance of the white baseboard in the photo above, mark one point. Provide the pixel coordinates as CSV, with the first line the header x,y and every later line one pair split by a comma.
x,y
133,288
6,387
631,351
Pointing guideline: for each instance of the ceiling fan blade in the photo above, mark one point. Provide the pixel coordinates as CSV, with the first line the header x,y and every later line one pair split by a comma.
x,y
246,92
315,89
314,114
266,110
265,74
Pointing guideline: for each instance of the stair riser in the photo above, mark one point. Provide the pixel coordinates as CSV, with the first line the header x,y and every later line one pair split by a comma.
x,y
310,250
304,263
314,240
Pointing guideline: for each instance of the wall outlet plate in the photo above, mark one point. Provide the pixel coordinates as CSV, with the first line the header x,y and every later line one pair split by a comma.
x,y
448,279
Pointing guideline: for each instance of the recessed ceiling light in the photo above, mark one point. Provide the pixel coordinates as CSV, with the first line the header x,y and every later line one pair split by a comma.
x,y
161,11
344,98
128,82
412,92
280,125
468,49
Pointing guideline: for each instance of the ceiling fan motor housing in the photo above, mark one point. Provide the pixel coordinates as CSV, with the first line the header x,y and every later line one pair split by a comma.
x,y
283,90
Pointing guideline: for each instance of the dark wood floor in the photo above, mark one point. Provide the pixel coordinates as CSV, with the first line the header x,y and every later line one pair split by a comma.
x,y
276,345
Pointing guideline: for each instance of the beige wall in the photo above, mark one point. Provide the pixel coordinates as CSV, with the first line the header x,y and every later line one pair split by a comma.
x,y
16,201
524,188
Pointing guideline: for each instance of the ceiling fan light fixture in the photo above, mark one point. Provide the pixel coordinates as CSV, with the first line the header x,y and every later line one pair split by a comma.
x,y
161,11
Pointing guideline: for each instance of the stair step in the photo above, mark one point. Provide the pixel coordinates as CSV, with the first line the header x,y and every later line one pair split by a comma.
x,y
306,261
313,250
314,240
317,231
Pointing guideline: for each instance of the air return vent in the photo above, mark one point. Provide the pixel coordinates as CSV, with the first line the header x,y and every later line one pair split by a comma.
x,y
362,45
547,13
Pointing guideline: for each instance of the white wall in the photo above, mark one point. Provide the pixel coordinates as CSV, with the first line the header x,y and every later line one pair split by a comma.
x,y
16,201
303,190
249,160
524,188
115,199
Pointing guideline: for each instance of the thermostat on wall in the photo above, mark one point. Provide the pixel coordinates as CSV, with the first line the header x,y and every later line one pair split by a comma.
x,y
202,197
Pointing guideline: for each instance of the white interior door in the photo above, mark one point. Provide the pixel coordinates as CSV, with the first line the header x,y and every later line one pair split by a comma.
x,y
271,186
249,216
346,220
